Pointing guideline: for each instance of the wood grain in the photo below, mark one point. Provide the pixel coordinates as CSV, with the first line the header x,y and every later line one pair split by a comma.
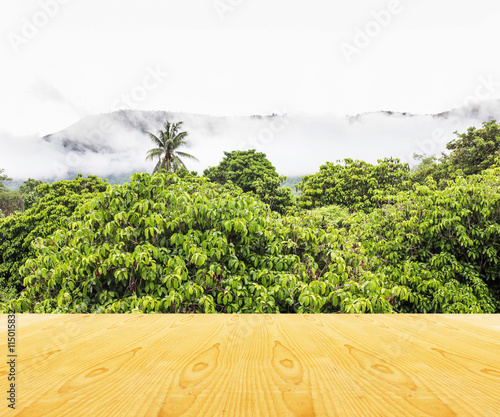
x,y
255,365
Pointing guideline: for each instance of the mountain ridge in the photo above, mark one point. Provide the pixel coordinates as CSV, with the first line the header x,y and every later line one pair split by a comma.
x,y
114,144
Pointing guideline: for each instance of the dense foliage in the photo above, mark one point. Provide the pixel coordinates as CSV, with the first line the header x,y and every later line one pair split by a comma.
x,y
30,192
440,247
10,201
363,238
354,184
253,172
163,244
469,154
336,216
54,204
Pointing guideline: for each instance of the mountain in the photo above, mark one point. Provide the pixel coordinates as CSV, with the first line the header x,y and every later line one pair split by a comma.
x,y
487,110
114,144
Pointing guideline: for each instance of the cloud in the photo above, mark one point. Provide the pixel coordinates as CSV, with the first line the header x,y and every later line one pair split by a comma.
x,y
115,143
46,92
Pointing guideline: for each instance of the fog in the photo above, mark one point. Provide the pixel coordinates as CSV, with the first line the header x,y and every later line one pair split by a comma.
x,y
115,143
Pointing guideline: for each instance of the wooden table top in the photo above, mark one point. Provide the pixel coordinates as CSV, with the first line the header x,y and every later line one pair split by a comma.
x,y
255,365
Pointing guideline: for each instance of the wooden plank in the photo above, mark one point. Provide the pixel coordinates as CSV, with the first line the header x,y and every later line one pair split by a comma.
x,y
255,365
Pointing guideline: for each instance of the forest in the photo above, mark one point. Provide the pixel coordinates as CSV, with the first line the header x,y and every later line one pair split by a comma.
x,y
354,237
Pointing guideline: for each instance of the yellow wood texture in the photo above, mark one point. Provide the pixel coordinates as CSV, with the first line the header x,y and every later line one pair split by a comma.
x,y
255,365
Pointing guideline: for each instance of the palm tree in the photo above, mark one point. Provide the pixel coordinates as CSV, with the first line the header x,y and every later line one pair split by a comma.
x,y
167,142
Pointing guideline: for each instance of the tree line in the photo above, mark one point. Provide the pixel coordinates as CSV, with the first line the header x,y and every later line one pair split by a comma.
x,y
359,238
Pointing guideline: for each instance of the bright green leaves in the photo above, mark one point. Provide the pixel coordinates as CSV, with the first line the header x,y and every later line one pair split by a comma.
x,y
355,185
199,259
52,209
431,244
251,171
63,298
162,244
469,154
228,226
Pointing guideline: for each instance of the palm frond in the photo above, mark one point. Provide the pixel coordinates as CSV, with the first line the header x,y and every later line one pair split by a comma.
x,y
180,136
188,156
156,140
167,126
176,127
154,153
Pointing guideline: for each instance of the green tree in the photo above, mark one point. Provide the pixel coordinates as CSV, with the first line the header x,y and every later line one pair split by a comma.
x,y
354,184
162,244
475,150
253,172
3,178
469,154
10,201
52,210
166,151
428,166
29,192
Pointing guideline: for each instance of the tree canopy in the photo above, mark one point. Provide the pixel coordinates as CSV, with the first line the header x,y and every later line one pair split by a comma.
x,y
3,178
470,153
354,184
252,172
29,191
366,238
440,247
163,244
52,209
10,201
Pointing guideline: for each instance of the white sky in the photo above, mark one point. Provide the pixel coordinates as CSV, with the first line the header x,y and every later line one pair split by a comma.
x,y
262,56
